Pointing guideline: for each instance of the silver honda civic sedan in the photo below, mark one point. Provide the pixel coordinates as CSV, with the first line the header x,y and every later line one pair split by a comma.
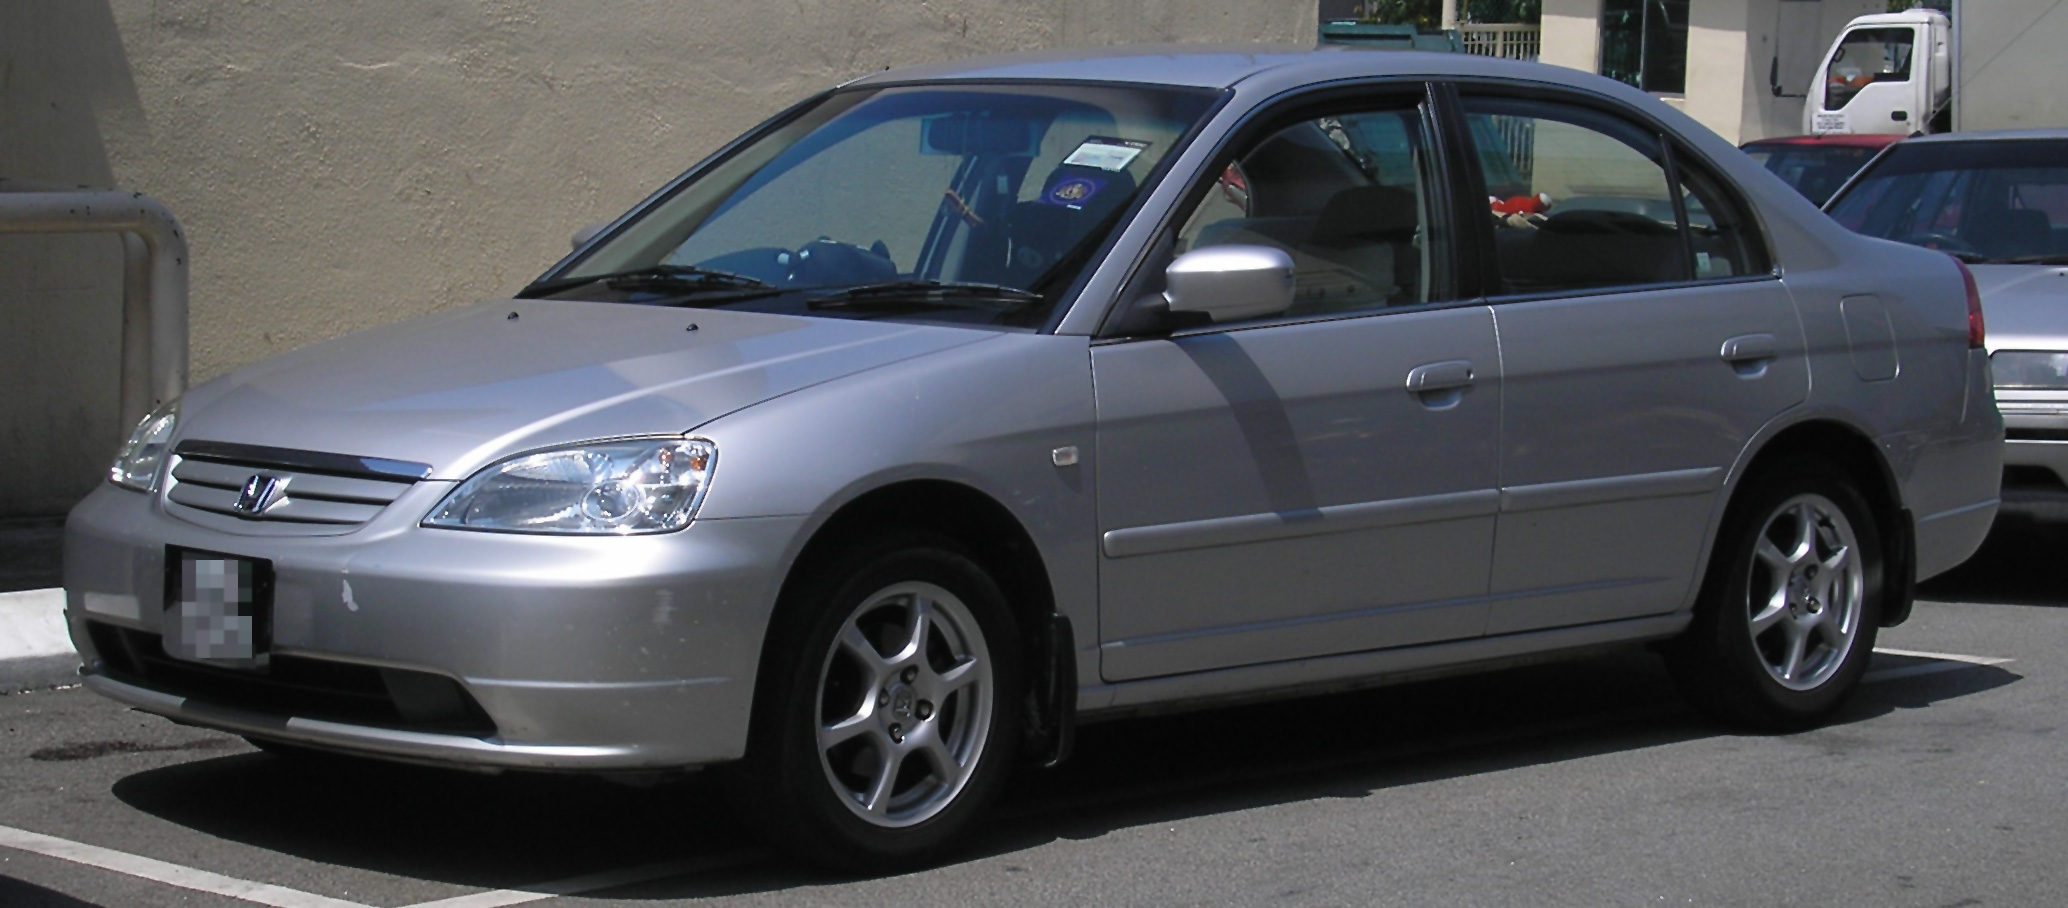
x,y
962,404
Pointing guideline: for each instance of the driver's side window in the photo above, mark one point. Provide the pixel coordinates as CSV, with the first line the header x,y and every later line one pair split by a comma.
x,y
1347,196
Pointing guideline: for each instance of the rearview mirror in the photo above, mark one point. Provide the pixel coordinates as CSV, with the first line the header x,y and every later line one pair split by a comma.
x,y
1230,283
970,135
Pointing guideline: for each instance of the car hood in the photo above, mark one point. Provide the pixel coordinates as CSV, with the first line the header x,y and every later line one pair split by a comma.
x,y
2024,307
460,389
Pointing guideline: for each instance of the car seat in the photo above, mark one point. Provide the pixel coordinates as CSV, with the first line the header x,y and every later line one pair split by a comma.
x,y
1073,201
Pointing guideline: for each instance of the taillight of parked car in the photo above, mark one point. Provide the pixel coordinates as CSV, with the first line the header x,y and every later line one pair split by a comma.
x,y
1974,307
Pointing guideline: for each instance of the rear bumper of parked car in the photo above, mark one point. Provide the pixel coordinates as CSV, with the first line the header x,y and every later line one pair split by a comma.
x,y
2035,457
495,650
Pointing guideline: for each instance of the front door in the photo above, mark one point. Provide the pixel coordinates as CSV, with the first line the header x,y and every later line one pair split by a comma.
x,y
1321,481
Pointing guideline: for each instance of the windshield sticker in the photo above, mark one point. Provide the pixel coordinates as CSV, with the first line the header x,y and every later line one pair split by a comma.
x,y
1073,192
1106,153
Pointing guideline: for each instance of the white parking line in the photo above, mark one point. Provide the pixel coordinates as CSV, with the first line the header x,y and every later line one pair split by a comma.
x,y
169,874
1941,662
282,897
594,881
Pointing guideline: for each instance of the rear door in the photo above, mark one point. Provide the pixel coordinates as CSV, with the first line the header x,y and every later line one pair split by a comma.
x,y
1644,340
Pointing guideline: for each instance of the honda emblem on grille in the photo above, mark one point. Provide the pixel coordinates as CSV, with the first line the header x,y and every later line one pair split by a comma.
x,y
260,492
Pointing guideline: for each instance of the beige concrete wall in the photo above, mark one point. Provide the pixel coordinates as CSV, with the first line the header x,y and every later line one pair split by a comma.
x,y
346,164
60,297
1572,34
2010,64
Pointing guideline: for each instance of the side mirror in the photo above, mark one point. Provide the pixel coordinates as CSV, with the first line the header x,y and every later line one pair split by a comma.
x,y
583,236
1230,283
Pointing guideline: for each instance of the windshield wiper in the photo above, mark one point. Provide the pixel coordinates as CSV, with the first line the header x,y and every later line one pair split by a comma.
x,y
663,278
906,293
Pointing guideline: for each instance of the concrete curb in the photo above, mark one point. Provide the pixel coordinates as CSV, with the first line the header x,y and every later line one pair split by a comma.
x,y
35,650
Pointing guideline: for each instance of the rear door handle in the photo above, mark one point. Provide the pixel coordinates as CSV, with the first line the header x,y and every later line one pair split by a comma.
x,y
1749,347
1749,354
1440,385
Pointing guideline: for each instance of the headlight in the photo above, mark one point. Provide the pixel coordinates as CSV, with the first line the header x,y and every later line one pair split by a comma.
x,y
604,487
137,466
2030,369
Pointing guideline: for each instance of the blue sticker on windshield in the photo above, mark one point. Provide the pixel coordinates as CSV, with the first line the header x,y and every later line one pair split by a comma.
x,y
1073,192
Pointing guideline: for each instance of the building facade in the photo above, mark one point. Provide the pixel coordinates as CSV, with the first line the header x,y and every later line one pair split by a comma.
x,y
1739,67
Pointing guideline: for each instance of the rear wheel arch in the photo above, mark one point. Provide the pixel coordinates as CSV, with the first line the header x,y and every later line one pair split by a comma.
x,y
1853,453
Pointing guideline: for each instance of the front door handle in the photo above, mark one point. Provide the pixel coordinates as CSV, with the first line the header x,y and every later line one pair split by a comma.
x,y
1749,354
1440,385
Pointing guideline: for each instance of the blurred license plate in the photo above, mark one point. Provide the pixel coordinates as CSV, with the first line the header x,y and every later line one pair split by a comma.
x,y
218,608
1831,122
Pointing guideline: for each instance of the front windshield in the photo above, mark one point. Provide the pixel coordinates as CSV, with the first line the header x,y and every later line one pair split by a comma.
x,y
965,203
2002,202
1866,56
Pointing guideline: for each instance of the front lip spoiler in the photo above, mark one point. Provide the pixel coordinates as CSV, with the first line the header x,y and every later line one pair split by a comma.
x,y
454,751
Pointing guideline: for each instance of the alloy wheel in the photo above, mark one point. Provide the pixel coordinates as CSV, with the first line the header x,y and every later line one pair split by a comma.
x,y
905,702
1805,592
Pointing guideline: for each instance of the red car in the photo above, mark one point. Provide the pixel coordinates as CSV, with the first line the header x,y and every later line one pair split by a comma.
x,y
1817,165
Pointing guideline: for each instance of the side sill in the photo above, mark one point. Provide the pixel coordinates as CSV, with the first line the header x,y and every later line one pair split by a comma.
x,y
1377,668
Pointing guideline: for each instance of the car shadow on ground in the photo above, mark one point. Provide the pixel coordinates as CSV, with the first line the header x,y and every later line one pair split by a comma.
x,y
519,829
2017,565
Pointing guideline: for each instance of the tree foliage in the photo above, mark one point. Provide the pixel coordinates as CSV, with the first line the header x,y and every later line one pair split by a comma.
x,y
1429,13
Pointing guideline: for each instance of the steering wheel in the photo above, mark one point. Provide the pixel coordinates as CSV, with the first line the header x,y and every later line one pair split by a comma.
x,y
1946,242
828,262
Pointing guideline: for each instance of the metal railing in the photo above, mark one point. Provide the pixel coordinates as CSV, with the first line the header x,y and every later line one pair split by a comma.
x,y
154,283
1508,41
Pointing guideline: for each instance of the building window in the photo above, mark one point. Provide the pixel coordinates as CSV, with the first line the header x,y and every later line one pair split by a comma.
x,y
1644,43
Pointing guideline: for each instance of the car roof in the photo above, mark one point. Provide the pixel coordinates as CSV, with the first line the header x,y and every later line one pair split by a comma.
x,y
1853,140
1221,66
1998,135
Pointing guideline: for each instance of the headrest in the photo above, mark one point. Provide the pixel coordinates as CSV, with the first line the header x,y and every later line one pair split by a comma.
x,y
1367,214
2013,231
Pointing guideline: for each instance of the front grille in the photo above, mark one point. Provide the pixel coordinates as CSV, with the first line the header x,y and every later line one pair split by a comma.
x,y
310,490
2018,434
298,686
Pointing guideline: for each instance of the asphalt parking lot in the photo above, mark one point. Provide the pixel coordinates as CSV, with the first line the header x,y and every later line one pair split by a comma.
x,y
1585,783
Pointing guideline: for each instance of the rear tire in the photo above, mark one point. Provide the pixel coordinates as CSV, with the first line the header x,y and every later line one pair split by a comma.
x,y
890,708
1790,606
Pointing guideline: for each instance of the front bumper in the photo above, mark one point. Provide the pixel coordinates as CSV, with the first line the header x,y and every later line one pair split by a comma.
x,y
577,653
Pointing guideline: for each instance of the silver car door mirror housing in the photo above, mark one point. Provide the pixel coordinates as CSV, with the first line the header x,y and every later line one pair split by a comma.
x,y
1230,283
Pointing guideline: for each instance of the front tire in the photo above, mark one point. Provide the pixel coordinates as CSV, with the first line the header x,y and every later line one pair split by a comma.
x,y
892,708
1786,622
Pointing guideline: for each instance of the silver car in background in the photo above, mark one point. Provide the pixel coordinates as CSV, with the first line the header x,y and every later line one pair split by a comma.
x,y
1999,202
962,404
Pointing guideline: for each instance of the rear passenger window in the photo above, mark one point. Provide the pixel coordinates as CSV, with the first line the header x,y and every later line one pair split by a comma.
x,y
1347,196
1578,199
1719,231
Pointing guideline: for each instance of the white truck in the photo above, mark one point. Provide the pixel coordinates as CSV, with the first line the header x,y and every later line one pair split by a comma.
x,y
1992,64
